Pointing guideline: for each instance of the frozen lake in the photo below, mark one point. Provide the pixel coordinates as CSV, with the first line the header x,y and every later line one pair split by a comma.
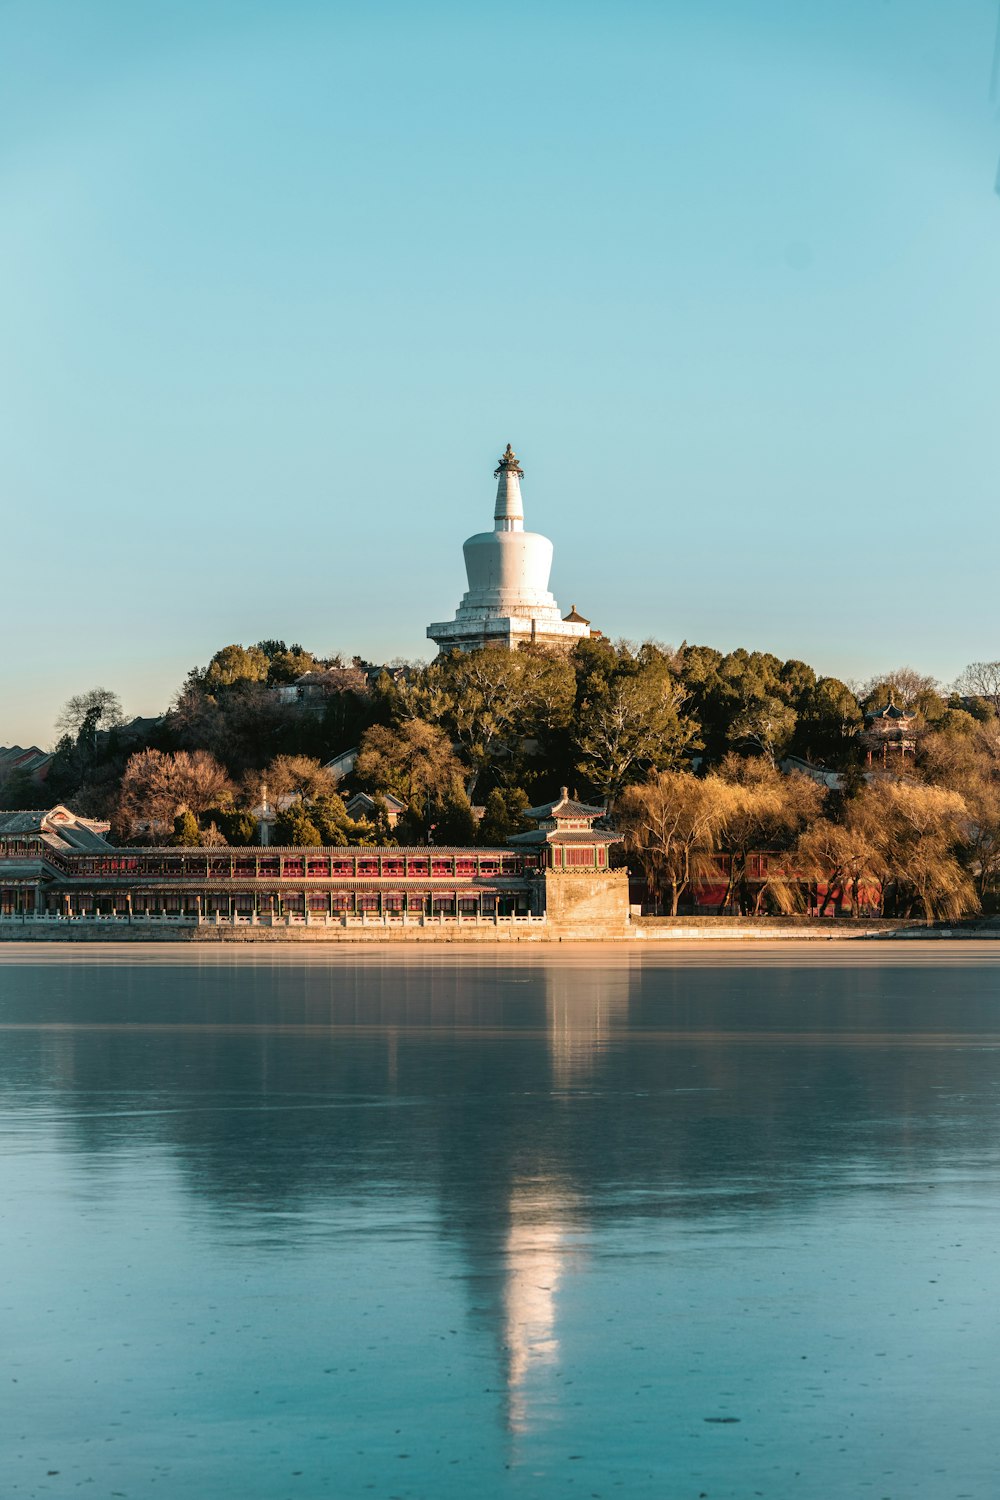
x,y
520,1223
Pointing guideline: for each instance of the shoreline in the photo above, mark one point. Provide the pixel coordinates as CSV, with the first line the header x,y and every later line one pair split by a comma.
x,y
642,933
584,954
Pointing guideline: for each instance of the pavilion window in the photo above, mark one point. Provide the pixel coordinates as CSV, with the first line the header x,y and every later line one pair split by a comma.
x,y
270,867
368,902
465,867
441,867
244,903
573,854
468,906
318,867
245,869
341,901
318,901
292,868
295,902
489,866
392,901
367,866
419,867
342,867
392,867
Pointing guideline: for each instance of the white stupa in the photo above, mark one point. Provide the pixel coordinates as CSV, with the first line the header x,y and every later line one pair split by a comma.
x,y
508,600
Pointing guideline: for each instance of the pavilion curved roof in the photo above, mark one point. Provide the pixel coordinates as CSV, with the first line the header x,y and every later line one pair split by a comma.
x,y
564,806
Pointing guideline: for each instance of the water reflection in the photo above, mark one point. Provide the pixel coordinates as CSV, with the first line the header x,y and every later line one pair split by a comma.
x,y
536,1253
526,1116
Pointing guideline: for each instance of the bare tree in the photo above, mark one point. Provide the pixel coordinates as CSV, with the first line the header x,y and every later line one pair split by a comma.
x,y
146,793
156,786
288,777
100,706
197,781
981,679
907,688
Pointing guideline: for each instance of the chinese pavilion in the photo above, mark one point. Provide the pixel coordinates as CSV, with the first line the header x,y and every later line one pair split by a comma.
x,y
508,602
890,734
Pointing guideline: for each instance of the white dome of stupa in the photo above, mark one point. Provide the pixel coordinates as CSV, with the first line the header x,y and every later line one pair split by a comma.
x,y
508,599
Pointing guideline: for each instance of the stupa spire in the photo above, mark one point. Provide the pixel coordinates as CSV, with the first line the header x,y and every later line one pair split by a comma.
x,y
508,513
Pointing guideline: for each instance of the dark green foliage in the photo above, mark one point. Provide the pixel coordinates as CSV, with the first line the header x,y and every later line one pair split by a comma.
x,y
239,828
329,815
829,722
186,831
504,728
294,827
454,822
20,790
503,816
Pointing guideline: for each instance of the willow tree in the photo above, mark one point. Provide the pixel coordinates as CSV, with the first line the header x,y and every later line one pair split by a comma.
x,y
922,833
672,822
769,811
847,858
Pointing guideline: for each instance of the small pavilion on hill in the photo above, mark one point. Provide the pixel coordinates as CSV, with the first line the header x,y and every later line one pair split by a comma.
x,y
890,734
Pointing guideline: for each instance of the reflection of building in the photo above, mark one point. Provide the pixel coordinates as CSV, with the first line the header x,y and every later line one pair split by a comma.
x,y
508,602
890,734
582,1011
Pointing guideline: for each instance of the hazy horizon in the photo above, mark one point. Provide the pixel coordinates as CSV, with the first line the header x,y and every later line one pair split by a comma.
x,y
279,285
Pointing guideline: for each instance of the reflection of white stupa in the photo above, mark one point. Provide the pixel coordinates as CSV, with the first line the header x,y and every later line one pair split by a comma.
x,y
537,1252
508,600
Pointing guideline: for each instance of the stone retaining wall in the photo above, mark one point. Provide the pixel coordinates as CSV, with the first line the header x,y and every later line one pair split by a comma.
x,y
82,931
801,929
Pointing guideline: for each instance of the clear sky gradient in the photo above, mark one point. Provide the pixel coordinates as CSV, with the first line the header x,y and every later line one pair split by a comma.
x,y
279,281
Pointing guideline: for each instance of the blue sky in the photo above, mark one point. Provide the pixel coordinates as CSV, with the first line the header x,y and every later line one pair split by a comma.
x,y
279,281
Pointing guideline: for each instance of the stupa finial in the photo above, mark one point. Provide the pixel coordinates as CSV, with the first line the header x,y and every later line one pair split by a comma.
x,y
508,464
